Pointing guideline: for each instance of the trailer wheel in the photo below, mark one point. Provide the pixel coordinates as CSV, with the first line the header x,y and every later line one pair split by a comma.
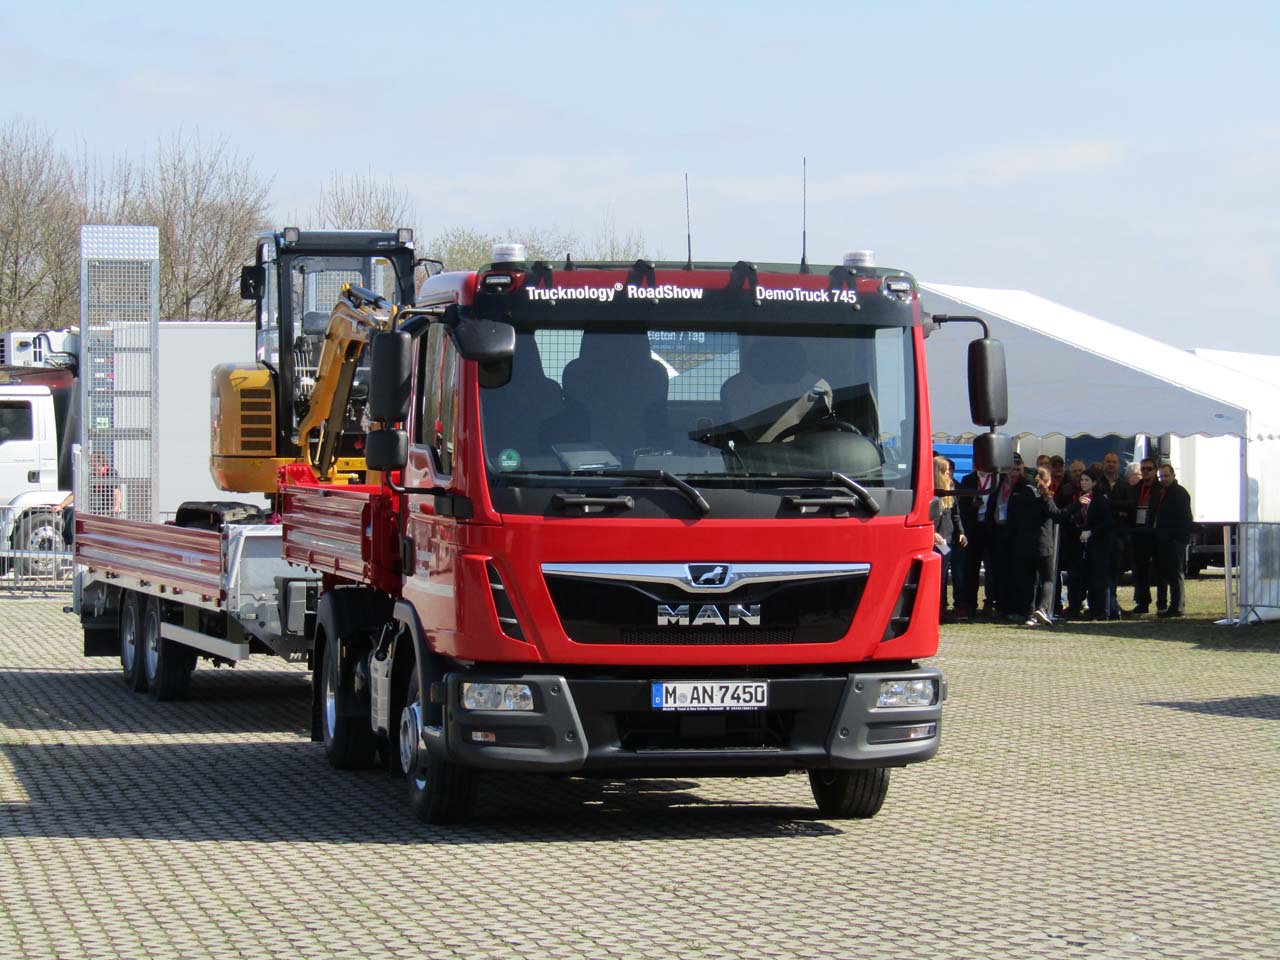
x,y
439,791
349,743
849,794
166,664
131,642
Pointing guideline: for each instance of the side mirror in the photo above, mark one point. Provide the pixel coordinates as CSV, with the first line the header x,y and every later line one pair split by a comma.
x,y
988,383
484,340
253,280
386,449
992,452
390,377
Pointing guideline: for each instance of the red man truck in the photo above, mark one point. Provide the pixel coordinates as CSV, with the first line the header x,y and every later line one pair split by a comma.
x,y
638,520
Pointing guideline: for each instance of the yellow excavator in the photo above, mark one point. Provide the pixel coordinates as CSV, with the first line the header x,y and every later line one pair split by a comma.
x,y
321,295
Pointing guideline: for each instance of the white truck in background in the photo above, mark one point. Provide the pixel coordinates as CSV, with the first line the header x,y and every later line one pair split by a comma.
x,y
39,424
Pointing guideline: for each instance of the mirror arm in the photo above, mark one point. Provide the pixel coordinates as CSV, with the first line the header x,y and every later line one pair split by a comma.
x,y
940,318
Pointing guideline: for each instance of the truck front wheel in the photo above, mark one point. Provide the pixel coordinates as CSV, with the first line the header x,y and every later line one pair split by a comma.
x,y
39,535
849,794
131,642
439,791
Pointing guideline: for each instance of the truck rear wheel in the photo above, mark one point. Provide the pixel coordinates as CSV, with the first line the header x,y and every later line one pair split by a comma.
x,y
439,791
349,742
166,664
131,642
849,794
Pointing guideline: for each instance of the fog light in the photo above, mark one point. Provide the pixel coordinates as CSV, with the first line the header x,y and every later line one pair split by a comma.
x,y
484,736
497,696
905,693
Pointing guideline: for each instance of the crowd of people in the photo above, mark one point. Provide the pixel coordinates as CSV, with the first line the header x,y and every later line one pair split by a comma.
x,y
1013,533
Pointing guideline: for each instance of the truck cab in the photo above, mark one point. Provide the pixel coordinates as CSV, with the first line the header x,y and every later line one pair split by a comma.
x,y
649,520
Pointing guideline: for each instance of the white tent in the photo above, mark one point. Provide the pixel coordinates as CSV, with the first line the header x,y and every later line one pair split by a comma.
x,y
1073,374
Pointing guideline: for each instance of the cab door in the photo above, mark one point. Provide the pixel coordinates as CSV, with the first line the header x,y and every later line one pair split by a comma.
x,y
431,585
19,449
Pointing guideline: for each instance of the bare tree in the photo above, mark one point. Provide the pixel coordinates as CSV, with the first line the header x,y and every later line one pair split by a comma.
x,y
608,245
362,202
208,204
34,179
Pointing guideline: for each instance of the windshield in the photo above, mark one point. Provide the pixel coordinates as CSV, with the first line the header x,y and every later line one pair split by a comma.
x,y
727,408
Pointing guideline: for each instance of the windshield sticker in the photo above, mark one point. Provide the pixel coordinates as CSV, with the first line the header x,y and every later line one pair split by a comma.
x,y
798,295
509,459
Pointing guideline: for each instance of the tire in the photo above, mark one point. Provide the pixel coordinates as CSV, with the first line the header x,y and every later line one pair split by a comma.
x,y
40,532
349,742
849,794
439,791
166,664
131,643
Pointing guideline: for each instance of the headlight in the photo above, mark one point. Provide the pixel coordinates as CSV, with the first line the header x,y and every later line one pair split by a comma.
x,y
497,696
905,693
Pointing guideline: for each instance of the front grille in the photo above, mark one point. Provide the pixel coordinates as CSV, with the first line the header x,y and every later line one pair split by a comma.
x,y
603,611
700,636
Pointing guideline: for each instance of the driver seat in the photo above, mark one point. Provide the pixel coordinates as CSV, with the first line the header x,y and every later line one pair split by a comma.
x,y
774,375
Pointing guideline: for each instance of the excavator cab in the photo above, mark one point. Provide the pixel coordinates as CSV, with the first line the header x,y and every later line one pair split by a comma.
x,y
259,410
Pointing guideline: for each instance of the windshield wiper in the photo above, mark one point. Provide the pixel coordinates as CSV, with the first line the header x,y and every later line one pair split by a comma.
x,y
669,479
870,503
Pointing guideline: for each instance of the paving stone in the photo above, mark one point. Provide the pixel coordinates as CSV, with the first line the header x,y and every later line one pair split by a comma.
x,y
1100,796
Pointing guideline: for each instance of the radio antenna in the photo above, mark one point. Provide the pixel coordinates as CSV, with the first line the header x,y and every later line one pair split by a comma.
x,y
804,214
688,225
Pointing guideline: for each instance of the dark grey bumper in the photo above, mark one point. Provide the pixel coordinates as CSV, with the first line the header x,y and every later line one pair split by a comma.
x,y
598,725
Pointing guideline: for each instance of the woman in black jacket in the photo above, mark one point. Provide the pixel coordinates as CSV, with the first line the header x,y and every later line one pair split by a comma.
x,y
1092,514
1032,513
947,529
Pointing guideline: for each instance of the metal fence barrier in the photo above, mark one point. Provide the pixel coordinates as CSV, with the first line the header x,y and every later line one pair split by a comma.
x,y
1259,583
34,559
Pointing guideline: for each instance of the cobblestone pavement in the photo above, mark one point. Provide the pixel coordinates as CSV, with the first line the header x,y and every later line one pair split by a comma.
x,y
1096,796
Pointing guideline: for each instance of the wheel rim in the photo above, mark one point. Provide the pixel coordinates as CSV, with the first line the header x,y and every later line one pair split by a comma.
x,y
151,645
410,732
43,539
129,637
330,696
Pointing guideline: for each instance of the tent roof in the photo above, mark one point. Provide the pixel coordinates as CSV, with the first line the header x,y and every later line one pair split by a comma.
x,y
1260,366
1073,374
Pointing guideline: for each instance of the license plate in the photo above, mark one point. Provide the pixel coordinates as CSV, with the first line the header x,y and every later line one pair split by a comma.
x,y
711,695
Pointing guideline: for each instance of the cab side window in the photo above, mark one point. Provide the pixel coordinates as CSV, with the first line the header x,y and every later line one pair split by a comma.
x,y
15,421
434,424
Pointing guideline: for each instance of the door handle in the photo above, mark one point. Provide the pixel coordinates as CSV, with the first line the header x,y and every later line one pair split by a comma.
x,y
33,476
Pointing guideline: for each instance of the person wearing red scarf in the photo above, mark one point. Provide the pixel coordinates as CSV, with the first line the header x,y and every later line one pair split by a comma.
x,y
1142,503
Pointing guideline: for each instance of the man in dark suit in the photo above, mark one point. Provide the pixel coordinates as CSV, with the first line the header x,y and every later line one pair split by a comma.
x,y
1142,504
1171,523
973,515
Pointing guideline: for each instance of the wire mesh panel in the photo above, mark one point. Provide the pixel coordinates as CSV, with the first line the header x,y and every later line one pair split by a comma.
x,y
119,323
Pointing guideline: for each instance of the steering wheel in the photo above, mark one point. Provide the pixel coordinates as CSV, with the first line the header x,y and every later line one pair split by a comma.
x,y
818,426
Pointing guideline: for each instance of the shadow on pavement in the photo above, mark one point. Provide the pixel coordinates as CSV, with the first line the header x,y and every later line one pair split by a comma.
x,y
220,700
286,793
1264,707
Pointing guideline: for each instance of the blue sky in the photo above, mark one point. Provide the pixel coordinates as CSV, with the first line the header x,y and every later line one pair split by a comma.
x,y
1119,158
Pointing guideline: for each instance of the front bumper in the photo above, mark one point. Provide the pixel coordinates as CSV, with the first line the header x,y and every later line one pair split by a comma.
x,y
605,726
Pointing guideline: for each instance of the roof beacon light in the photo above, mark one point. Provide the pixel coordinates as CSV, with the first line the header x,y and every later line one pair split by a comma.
x,y
860,258
508,253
